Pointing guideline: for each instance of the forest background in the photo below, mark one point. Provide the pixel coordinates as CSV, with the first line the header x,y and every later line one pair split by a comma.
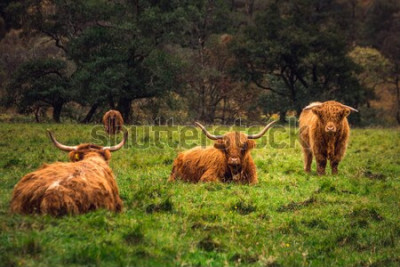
x,y
220,61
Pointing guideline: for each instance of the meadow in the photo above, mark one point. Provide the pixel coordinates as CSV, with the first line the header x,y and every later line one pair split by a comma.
x,y
288,219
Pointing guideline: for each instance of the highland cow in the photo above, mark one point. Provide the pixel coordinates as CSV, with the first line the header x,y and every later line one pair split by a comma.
x,y
228,160
113,121
87,183
324,132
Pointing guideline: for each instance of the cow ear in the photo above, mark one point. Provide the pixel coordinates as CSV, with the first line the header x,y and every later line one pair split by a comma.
x,y
317,111
219,144
346,112
74,156
107,155
251,144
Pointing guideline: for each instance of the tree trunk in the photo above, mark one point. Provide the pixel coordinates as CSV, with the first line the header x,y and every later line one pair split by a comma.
x,y
57,107
124,106
202,101
298,111
90,114
111,101
37,114
398,100
223,111
211,114
249,7
282,116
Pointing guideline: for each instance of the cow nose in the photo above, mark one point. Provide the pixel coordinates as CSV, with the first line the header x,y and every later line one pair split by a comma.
x,y
234,161
330,128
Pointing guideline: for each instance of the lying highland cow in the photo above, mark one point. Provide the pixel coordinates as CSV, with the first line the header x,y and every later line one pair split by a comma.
x,y
87,183
228,160
324,132
113,121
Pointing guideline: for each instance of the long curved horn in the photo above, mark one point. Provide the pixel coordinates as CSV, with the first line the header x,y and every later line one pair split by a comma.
x,y
59,145
352,109
263,131
211,136
312,105
116,147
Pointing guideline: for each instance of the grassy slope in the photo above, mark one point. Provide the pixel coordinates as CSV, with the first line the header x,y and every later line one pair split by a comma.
x,y
289,218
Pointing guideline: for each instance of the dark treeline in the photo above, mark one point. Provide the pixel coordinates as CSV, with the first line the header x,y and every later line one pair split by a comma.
x,y
214,61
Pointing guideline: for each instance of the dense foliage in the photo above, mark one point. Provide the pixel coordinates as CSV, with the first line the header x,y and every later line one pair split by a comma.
x,y
216,61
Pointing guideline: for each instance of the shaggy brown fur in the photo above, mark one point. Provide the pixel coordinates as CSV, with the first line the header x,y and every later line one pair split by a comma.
x,y
113,121
229,160
87,183
324,132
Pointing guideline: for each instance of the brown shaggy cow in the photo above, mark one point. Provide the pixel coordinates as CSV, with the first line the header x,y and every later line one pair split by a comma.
x,y
87,183
228,160
324,132
113,121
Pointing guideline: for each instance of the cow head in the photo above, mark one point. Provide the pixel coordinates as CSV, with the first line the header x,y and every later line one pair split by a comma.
x,y
235,145
330,114
80,152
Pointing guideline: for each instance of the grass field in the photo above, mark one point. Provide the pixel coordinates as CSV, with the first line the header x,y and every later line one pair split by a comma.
x,y
288,219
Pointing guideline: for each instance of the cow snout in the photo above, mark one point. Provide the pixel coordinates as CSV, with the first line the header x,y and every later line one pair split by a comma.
x,y
330,127
234,161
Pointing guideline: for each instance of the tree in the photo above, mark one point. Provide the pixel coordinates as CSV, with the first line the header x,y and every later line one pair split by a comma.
x,y
375,68
382,31
116,47
40,84
391,48
127,66
204,40
57,21
208,80
9,16
294,52
127,55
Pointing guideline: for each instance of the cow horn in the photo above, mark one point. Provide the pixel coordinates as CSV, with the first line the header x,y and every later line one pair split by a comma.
x,y
262,132
116,147
352,109
211,136
312,105
59,145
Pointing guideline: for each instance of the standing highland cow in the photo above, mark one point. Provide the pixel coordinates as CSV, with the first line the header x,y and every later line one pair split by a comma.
x,y
324,131
113,121
87,183
228,160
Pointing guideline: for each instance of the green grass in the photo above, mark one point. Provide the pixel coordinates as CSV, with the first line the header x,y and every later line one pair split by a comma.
x,y
288,219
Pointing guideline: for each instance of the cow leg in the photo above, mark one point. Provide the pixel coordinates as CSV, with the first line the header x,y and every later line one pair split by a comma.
x,y
209,176
172,177
335,159
321,155
321,165
334,166
340,150
307,159
251,172
178,162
